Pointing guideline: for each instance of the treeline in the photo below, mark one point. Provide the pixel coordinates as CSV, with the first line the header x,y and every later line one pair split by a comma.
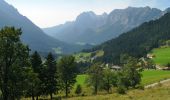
x,y
106,78
137,42
22,75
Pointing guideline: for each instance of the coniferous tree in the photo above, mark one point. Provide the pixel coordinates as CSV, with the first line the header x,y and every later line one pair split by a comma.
x,y
51,76
37,67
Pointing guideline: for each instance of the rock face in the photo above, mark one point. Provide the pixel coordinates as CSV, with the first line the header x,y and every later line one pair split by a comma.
x,y
91,28
32,34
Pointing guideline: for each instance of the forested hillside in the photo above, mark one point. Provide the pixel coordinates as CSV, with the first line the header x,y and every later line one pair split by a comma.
x,y
137,42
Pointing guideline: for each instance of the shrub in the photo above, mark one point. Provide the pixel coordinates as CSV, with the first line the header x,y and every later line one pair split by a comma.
x,y
140,87
78,89
121,90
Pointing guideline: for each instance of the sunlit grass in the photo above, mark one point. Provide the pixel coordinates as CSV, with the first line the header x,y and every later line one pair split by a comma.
x,y
162,56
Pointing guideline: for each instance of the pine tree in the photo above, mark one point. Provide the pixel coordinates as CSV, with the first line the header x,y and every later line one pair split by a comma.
x,y
51,80
37,67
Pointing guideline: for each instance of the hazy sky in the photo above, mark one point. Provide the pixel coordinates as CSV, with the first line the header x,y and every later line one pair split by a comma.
x,y
45,13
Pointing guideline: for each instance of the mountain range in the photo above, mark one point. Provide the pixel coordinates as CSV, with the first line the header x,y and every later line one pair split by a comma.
x,y
95,29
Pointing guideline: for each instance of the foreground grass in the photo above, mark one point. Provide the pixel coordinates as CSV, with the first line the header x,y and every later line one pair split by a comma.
x,y
162,56
161,92
149,77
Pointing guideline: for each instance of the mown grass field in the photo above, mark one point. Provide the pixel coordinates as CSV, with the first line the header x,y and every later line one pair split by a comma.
x,y
162,55
151,76
160,92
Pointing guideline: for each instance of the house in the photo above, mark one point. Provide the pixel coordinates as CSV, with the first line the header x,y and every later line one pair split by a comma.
x,y
115,67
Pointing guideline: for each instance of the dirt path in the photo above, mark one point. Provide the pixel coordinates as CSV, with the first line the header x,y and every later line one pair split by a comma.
x,y
154,84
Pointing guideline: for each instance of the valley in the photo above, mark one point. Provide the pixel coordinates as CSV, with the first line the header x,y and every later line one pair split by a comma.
x,y
103,50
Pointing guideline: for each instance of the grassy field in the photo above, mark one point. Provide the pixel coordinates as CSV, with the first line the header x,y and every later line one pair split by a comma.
x,y
87,56
162,55
151,76
148,77
160,92
81,79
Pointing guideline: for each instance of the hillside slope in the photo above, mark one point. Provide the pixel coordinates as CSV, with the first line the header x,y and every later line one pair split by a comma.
x,y
137,42
32,34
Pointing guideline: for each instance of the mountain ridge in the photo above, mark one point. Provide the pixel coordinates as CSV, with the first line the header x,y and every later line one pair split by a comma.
x,y
106,27
32,34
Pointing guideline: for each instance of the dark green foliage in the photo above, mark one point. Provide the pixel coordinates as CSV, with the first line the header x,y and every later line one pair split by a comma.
x,y
32,84
137,42
13,63
95,76
149,64
38,68
130,75
121,89
168,65
68,72
51,76
83,67
36,62
109,79
78,89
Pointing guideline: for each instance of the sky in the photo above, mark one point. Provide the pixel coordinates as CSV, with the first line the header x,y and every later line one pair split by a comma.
x,y
47,13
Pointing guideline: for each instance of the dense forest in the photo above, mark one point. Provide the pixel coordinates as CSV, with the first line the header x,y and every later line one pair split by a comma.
x,y
137,42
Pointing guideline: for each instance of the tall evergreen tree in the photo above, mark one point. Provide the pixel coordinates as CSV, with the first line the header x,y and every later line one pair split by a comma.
x,y
37,67
51,80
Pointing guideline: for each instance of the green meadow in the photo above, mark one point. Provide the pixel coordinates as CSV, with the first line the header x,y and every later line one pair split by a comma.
x,y
148,77
162,55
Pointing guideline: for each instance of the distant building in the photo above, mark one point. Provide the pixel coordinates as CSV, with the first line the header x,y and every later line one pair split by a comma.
x,y
115,67
150,56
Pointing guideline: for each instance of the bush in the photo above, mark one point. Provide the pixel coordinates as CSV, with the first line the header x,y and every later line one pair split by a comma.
x,y
78,89
140,87
121,90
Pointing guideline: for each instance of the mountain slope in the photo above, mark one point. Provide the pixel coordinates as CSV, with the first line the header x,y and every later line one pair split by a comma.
x,y
73,31
137,42
32,34
91,28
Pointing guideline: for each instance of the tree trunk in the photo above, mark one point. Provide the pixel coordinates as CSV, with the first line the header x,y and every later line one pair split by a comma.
x,y
66,91
95,90
33,97
5,89
51,96
5,95
108,85
37,98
